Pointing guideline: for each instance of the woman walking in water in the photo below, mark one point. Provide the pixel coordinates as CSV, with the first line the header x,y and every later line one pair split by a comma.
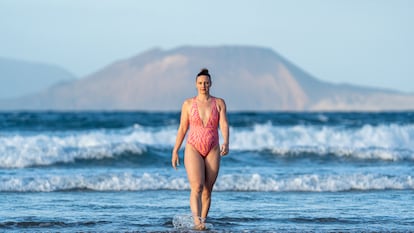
x,y
202,115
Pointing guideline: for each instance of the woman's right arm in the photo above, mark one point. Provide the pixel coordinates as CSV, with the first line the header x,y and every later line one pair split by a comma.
x,y
182,130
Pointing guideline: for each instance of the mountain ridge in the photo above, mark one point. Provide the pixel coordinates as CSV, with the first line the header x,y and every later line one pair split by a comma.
x,y
249,78
29,77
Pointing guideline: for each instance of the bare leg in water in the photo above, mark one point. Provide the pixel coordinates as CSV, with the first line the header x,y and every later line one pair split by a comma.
x,y
202,174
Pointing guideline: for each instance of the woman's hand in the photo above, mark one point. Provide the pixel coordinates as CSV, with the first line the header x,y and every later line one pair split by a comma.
x,y
224,150
175,160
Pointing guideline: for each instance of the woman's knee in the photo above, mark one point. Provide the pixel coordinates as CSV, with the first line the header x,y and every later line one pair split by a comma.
x,y
197,188
207,190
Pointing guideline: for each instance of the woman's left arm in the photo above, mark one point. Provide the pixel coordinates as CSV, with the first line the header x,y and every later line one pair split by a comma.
x,y
224,127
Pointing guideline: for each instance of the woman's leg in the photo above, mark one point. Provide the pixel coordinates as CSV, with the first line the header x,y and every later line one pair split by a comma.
x,y
194,165
212,165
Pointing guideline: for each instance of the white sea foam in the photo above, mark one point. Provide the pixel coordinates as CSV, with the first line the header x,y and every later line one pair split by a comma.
x,y
229,182
98,182
384,142
18,151
314,182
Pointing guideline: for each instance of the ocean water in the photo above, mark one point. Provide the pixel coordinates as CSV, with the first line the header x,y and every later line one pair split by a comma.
x,y
286,172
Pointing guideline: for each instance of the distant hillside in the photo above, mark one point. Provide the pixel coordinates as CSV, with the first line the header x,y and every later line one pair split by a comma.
x,y
248,78
18,78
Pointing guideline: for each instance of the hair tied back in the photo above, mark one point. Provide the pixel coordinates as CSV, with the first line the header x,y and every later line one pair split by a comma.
x,y
204,71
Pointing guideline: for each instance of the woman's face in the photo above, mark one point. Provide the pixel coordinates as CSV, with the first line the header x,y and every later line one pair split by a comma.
x,y
203,84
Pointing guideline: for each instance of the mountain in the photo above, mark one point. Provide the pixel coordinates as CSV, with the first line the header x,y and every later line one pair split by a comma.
x,y
248,78
18,78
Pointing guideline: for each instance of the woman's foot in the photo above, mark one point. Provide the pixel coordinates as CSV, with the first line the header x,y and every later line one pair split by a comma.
x,y
199,223
200,227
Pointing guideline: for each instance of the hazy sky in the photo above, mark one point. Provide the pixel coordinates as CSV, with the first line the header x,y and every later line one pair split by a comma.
x,y
364,42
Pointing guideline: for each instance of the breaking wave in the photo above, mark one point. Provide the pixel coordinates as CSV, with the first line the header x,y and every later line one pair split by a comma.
x,y
128,181
382,142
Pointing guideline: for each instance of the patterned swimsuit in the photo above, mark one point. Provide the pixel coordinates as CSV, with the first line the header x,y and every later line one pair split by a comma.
x,y
203,138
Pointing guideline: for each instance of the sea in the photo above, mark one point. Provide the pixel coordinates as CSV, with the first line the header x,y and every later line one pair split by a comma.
x,y
286,172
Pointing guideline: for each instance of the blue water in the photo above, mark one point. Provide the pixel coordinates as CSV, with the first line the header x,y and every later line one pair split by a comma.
x,y
110,172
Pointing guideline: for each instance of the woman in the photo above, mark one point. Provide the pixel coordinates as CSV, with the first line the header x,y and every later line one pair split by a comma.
x,y
202,115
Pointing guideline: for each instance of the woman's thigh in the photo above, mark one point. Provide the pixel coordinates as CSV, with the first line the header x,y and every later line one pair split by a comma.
x,y
194,165
212,167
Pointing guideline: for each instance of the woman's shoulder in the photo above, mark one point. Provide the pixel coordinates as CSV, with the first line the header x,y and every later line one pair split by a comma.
x,y
188,102
220,103
219,100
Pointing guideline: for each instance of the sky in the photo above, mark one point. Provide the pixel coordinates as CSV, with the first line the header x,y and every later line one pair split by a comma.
x,y
361,42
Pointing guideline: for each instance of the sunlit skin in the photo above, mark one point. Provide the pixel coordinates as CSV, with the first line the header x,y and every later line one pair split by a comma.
x,y
201,171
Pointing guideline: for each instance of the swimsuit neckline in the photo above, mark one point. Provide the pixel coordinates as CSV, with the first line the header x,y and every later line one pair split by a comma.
x,y
198,112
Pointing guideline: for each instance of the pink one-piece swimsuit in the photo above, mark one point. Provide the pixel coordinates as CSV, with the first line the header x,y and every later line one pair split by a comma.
x,y
203,138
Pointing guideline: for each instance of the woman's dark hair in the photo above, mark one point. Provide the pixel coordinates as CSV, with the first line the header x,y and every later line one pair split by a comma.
x,y
204,71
